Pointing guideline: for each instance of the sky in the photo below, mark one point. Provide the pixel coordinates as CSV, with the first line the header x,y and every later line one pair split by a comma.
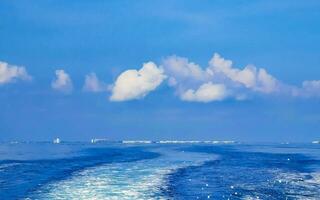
x,y
160,70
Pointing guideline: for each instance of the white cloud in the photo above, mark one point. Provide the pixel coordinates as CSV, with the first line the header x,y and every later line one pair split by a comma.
x,y
135,84
313,85
93,84
220,79
185,75
310,88
179,69
62,82
205,93
265,82
251,77
10,73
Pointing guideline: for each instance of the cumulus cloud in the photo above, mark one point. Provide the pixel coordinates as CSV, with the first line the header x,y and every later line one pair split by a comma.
x,y
185,76
251,77
219,80
179,70
310,88
136,84
62,82
313,85
10,73
93,84
205,93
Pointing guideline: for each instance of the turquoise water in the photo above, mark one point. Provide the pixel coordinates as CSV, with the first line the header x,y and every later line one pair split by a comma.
x,y
159,171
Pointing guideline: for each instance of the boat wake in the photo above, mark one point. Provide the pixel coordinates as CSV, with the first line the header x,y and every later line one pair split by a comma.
x,y
143,179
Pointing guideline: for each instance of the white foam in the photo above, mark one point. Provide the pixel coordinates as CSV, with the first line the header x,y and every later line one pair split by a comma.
x,y
308,184
143,179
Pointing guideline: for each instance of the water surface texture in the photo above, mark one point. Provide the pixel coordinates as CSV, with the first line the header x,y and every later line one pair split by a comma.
x,y
159,171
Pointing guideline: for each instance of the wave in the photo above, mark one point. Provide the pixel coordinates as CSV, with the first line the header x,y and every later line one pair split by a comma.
x,y
246,175
300,185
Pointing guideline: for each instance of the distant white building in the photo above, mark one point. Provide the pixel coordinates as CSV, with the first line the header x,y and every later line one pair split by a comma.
x,y
56,141
136,141
96,140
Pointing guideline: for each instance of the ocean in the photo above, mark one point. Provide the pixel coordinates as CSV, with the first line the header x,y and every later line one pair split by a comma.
x,y
108,170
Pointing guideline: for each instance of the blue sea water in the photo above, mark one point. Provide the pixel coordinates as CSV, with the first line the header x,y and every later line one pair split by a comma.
x,y
159,171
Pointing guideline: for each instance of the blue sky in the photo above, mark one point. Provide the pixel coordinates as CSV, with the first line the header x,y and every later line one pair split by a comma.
x,y
181,95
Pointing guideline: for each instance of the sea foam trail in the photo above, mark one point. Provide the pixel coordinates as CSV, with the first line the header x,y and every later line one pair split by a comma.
x,y
300,186
304,186
144,179
247,175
